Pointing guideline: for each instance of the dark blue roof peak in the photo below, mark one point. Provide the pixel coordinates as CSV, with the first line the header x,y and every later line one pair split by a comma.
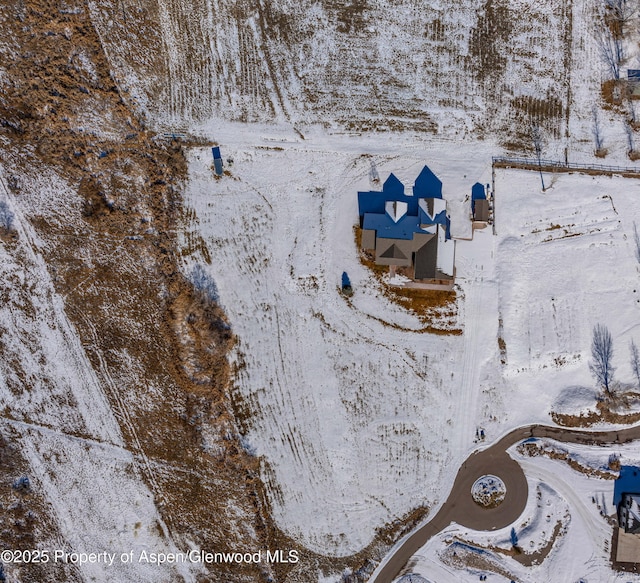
x,y
393,186
478,191
628,482
427,185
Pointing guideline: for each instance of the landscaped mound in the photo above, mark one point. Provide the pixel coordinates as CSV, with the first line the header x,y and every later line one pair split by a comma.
x,y
488,491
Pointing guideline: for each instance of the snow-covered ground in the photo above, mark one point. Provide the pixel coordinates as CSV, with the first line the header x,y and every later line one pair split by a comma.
x,y
54,409
565,262
358,416
358,422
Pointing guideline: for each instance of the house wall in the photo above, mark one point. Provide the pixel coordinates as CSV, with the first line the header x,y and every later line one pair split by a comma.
x,y
368,239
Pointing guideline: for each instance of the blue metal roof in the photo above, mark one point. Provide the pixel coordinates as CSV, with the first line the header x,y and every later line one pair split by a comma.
x,y
477,191
627,483
441,218
393,186
633,75
373,201
386,228
427,185
216,153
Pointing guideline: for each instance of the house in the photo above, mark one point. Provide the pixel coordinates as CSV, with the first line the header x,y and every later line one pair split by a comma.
x,y
629,513
409,231
626,538
626,498
479,203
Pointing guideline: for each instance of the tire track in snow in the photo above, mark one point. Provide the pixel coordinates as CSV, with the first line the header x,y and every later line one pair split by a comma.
x,y
468,397
596,530
142,460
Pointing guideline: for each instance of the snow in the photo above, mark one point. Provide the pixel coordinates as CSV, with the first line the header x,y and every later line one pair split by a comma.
x,y
55,409
576,400
352,416
358,416
358,422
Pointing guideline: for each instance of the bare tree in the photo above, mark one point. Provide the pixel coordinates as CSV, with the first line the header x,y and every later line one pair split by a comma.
x,y
618,13
6,216
597,131
602,353
611,50
536,137
204,283
630,141
635,360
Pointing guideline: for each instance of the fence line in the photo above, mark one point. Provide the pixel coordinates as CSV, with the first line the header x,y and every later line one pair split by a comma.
x,y
534,164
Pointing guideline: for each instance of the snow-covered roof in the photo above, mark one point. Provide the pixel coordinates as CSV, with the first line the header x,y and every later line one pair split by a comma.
x,y
395,209
432,210
446,252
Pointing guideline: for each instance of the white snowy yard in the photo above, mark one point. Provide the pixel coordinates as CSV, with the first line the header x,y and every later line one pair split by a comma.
x,y
359,422
565,262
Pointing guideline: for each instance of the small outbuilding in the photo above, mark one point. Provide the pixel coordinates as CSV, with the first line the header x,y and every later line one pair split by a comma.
x,y
633,81
479,203
217,160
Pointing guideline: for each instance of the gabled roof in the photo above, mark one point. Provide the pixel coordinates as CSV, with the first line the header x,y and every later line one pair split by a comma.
x,y
477,191
393,186
432,211
446,251
393,252
427,185
424,266
628,482
374,201
395,209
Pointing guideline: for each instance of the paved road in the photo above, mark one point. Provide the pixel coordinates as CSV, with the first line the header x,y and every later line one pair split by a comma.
x,y
461,508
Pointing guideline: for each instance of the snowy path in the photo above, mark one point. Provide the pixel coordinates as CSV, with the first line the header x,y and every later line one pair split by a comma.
x,y
55,409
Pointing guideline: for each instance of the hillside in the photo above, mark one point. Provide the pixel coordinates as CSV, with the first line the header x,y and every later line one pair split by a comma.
x,y
113,376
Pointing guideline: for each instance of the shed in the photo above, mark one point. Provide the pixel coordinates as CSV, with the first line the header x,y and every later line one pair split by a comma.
x,y
217,160
633,80
479,203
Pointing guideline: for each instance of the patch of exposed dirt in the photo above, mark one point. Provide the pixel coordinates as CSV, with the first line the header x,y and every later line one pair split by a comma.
x,y
534,449
437,310
158,346
609,409
464,556
25,520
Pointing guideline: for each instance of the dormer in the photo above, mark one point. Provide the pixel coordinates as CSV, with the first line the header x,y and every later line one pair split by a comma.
x,y
395,209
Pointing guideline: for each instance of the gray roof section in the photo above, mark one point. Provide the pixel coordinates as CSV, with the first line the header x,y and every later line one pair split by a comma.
x,y
481,210
368,238
425,259
393,252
